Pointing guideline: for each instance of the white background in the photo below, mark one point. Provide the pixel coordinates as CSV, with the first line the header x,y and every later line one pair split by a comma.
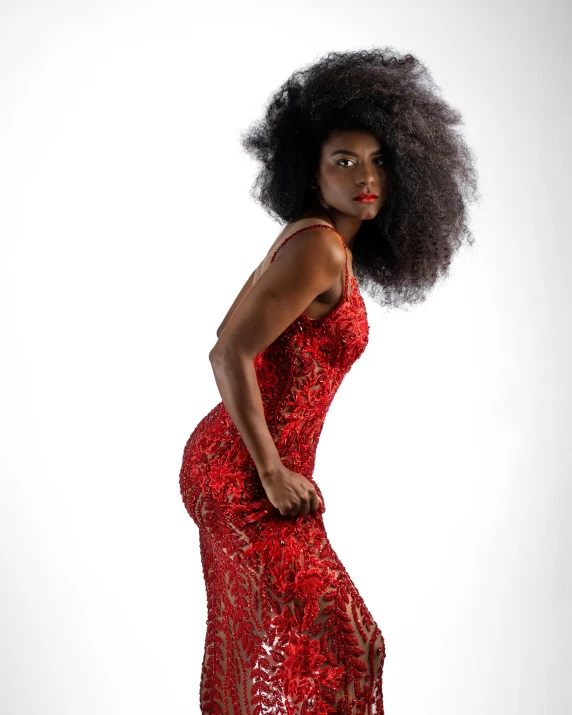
x,y
127,230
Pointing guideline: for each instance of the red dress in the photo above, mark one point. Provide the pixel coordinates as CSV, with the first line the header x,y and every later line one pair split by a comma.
x,y
287,631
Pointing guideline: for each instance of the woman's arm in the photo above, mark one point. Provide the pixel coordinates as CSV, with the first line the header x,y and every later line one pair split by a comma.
x,y
243,291
302,270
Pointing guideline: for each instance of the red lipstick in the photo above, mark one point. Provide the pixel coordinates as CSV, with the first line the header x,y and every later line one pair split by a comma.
x,y
366,198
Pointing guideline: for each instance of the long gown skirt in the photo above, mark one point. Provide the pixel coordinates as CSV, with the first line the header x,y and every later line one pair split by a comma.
x,y
287,630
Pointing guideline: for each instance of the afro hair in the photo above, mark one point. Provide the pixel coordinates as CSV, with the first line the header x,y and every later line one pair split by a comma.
x,y
401,253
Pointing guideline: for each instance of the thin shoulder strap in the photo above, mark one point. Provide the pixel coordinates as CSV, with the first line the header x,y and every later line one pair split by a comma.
x,y
319,225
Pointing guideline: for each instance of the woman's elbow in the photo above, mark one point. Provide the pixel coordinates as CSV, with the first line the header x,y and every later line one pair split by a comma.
x,y
213,355
223,351
220,351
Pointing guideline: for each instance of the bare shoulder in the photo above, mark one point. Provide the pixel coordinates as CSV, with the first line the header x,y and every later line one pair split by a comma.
x,y
317,241
300,223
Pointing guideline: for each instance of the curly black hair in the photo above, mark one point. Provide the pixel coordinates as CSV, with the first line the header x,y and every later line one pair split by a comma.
x,y
401,253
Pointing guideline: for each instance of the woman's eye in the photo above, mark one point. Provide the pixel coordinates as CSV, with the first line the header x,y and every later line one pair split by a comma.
x,y
377,159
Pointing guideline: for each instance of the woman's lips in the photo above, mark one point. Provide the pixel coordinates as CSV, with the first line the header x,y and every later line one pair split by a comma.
x,y
365,200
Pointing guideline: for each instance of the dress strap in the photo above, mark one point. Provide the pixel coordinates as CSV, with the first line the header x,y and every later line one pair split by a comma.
x,y
319,225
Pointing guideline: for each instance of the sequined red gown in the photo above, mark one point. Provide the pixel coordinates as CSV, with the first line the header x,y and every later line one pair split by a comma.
x,y
287,631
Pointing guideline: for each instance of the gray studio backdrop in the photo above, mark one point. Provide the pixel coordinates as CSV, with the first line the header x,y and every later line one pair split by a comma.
x,y
117,120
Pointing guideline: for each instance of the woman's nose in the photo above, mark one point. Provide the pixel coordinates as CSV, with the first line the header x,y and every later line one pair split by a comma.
x,y
367,177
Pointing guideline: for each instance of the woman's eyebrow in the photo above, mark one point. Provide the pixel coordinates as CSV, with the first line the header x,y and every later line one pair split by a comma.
x,y
353,153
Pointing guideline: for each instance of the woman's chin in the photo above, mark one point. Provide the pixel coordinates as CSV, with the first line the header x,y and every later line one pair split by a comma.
x,y
365,210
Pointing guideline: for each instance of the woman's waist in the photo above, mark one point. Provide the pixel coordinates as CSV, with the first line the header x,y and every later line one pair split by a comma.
x,y
216,437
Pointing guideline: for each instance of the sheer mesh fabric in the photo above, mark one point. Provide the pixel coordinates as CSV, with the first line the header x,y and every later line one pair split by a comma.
x,y
287,630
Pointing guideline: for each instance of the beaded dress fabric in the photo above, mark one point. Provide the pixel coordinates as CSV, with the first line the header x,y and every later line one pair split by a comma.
x,y
287,631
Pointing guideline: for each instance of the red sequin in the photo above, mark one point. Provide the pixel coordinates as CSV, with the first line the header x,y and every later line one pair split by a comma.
x,y
287,630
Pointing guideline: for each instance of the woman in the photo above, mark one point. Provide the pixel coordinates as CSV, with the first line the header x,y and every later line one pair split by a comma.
x,y
361,161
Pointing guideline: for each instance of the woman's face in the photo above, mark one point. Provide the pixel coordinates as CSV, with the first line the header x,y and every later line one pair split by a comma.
x,y
351,163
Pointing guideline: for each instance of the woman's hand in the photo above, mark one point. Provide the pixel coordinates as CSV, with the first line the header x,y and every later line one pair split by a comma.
x,y
291,493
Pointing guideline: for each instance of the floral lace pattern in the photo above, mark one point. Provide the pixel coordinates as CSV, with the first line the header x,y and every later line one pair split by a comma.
x,y
287,630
